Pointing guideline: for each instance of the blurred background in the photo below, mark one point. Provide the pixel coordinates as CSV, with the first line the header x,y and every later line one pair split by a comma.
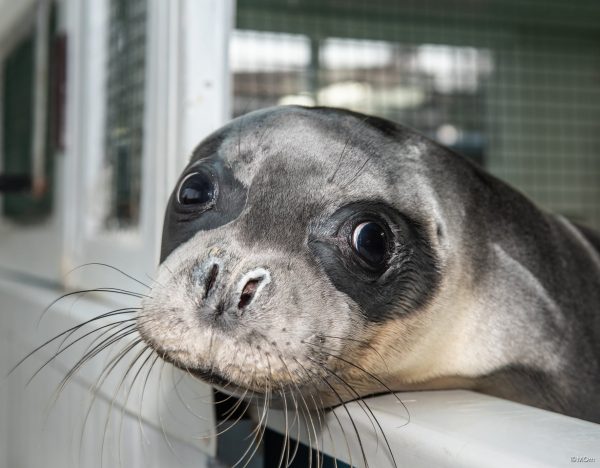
x,y
102,101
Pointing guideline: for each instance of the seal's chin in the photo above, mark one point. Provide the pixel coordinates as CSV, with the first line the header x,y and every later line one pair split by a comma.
x,y
273,399
216,379
207,375
211,377
228,387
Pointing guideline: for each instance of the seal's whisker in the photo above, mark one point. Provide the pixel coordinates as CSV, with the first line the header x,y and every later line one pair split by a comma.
x,y
298,427
262,424
296,412
286,439
227,398
144,385
135,377
311,447
342,428
319,413
144,350
308,416
73,330
239,369
377,379
311,425
106,343
158,405
66,378
343,404
117,291
231,411
228,418
106,371
95,388
66,332
265,398
261,430
257,435
370,415
154,281
356,432
348,139
126,350
106,265
322,424
182,400
60,351
355,176
362,343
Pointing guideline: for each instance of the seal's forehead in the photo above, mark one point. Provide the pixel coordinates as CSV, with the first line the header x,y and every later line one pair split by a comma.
x,y
280,170
330,143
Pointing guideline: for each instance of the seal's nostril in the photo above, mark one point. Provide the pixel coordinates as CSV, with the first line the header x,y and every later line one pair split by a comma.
x,y
248,292
211,279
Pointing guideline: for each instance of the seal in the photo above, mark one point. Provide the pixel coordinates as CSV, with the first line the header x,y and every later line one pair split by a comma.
x,y
326,254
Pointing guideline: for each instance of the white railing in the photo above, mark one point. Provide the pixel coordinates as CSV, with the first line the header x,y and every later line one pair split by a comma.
x,y
451,428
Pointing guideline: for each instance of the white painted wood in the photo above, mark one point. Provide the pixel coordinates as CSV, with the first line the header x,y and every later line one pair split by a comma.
x,y
185,101
40,96
205,75
453,428
187,96
86,239
37,432
33,249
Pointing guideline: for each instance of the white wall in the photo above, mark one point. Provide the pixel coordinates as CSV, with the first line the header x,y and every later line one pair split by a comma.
x,y
36,432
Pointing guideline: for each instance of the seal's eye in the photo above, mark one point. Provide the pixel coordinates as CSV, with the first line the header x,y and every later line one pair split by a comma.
x,y
196,189
369,241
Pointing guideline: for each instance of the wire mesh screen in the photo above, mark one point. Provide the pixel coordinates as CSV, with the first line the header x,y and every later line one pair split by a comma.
x,y
515,85
125,110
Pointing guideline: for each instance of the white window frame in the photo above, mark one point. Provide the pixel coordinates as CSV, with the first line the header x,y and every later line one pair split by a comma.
x,y
34,249
450,428
187,96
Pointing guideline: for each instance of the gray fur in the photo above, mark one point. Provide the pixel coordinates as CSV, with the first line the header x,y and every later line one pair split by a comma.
x,y
485,290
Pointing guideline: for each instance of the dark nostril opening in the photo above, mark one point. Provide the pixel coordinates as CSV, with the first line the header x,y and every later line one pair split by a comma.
x,y
211,279
220,309
248,292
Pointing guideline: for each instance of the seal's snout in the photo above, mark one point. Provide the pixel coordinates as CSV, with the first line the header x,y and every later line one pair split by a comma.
x,y
250,285
222,291
249,291
205,277
211,279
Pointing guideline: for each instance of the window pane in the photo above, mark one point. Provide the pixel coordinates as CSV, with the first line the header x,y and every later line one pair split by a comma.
x,y
125,111
18,93
511,84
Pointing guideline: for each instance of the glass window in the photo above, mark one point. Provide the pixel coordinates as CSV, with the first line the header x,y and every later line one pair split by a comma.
x,y
513,85
434,88
20,90
267,68
125,112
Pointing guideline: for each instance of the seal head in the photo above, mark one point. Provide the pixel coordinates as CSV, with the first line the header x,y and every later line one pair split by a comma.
x,y
325,253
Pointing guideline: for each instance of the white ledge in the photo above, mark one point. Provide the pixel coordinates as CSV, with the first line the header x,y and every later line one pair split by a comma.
x,y
454,428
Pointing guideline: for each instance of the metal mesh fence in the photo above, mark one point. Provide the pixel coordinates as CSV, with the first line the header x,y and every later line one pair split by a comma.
x,y
513,84
125,110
